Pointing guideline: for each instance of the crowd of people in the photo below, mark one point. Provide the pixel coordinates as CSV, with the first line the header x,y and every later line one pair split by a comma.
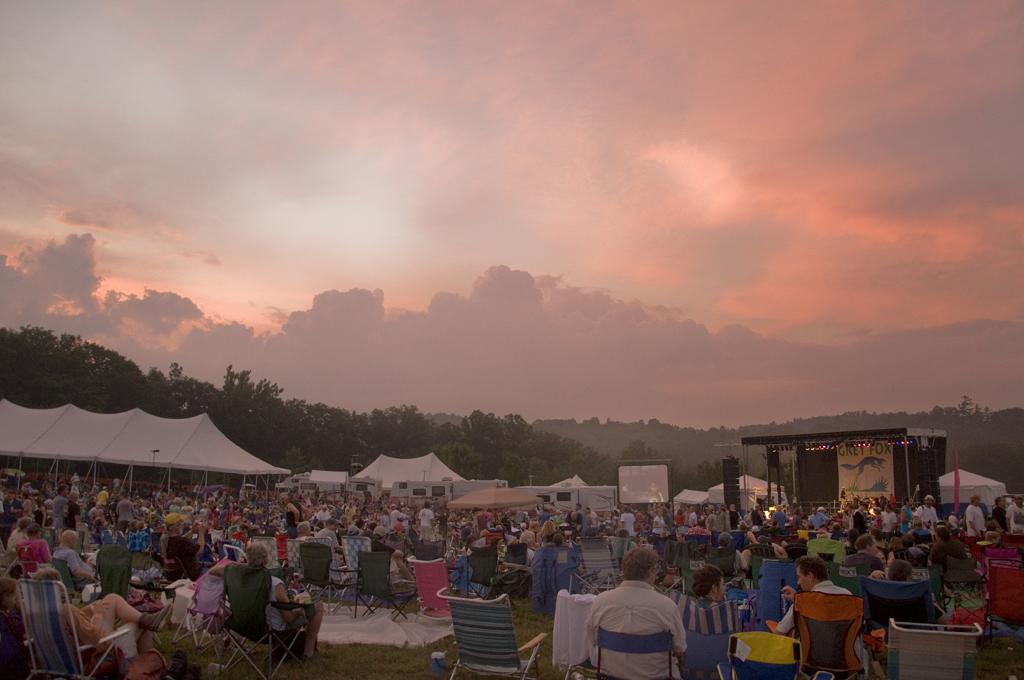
x,y
185,532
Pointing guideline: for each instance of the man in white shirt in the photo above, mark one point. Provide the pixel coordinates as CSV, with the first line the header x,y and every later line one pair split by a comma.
x,y
929,517
427,523
1015,515
635,607
628,520
811,576
974,517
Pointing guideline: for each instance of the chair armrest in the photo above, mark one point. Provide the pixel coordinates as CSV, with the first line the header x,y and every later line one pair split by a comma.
x,y
724,671
123,630
822,675
534,642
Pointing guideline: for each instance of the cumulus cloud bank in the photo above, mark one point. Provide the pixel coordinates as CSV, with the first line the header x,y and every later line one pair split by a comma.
x,y
531,344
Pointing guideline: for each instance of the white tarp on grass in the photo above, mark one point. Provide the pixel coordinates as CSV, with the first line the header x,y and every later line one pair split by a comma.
x,y
129,438
379,629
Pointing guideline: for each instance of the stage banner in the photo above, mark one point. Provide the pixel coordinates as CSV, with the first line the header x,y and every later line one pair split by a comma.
x,y
865,470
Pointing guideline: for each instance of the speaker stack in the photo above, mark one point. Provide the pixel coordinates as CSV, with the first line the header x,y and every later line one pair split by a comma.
x,y
731,480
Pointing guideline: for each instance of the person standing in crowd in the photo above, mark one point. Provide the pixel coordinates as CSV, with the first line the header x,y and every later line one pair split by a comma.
x,y
999,514
946,546
974,518
860,517
780,518
59,508
927,514
890,520
635,607
1015,515
906,516
426,517
818,519
628,522
124,510
11,513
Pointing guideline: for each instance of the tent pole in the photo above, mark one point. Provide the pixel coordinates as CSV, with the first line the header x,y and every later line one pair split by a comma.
x,y
131,478
168,481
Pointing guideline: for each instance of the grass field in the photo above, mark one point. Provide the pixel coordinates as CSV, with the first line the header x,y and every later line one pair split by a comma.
x,y
997,660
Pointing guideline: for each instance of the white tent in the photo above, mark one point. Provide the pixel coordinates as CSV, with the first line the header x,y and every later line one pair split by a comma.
x,y
971,484
691,497
129,438
573,482
388,470
754,488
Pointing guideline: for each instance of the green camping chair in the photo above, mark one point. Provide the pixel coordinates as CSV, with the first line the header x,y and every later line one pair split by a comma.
x,y
248,593
375,588
848,577
316,559
114,566
483,567
65,575
485,638
827,546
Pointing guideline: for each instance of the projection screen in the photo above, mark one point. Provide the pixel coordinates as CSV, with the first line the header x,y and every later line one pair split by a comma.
x,y
643,484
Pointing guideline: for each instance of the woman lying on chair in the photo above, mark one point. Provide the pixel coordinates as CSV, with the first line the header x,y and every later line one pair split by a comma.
x,y
257,557
104,616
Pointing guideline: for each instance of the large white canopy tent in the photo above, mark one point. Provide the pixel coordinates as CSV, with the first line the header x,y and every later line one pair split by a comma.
x,y
573,482
751,487
388,470
971,484
132,438
691,497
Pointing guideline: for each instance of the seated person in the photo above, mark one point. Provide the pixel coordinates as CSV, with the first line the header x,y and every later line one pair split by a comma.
x,y
81,572
38,548
181,552
811,576
102,617
14,657
708,586
946,546
867,553
257,557
400,572
636,607
18,535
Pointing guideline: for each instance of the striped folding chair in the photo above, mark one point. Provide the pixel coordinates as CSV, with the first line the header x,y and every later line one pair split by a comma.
x,y
599,570
54,648
348,577
485,639
707,635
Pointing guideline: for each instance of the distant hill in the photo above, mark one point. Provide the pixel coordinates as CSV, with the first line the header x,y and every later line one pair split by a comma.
x,y
989,442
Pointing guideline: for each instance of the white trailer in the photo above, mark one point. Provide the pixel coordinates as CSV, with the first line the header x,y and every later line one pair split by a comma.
x,y
422,490
597,498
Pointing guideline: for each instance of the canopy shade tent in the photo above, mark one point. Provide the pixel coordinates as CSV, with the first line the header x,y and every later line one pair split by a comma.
x,y
691,497
573,482
496,497
128,438
388,470
971,484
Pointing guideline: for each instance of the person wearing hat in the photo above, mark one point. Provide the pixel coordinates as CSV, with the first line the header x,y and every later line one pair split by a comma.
x,y
180,554
399,570
927,514
819,518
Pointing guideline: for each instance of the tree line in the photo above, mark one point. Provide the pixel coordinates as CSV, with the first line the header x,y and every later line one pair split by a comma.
x,y
41,369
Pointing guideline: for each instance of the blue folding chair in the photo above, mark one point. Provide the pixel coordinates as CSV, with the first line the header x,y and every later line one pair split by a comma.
x,y
903,601
629,643
774,576
764,656
708,630
52,637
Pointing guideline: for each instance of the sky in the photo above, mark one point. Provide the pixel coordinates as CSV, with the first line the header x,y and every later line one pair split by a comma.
x,y
705,213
